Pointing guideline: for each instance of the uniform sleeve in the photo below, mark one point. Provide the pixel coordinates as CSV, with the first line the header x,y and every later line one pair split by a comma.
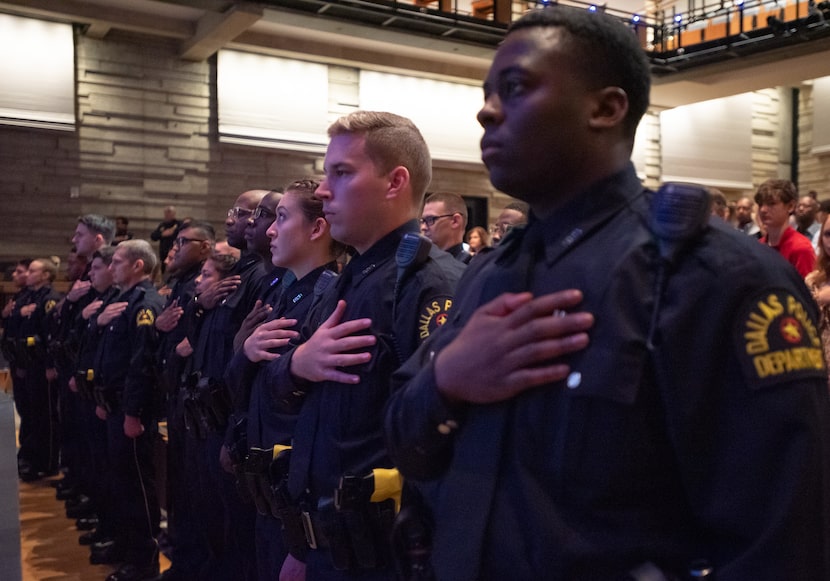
x,y
750,432
420,425
141,377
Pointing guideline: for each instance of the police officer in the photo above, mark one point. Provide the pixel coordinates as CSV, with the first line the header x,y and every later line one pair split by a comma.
x,y
93,445
192,247
377,169
126,393
11,319
221,513
674,431
300,242
36,394
92,232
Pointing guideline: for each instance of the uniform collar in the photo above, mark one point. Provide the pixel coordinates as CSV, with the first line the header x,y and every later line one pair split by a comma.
x,y
571,223
381,251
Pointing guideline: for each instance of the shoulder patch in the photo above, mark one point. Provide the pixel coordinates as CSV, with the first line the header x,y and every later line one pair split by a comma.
x,y
50,304
144,317
433,315
777,341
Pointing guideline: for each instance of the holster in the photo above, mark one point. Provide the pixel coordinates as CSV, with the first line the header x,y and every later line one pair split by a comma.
x,y
206,405
107,398
85,382
257,478
357,538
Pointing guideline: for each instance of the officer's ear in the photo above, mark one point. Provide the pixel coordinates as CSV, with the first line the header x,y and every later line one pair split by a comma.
x,y
138,266
398,182
318,228
609,108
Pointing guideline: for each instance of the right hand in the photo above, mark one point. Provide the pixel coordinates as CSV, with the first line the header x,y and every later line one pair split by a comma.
x,y
79,289
267,336
168,319
219,290
184,349
110,312
331,346
73,387
823,295
510,345
7,310
91,309
100,412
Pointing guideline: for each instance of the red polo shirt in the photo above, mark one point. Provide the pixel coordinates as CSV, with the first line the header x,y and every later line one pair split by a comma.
x,y
797,249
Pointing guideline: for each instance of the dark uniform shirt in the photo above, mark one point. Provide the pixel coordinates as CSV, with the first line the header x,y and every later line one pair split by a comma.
x,y
269,424
34,330
183,290
460,253
714,445
340,426
125,361
90,337
11,327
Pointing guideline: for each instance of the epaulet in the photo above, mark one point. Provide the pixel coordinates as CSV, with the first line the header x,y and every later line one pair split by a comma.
x,y
323,281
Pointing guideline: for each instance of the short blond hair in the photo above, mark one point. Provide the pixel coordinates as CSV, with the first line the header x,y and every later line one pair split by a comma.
x,y
391,141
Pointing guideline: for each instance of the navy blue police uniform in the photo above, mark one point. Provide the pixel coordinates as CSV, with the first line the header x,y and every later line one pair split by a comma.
x,y
226,521
270,425
712,444
38,433
125,376
339,431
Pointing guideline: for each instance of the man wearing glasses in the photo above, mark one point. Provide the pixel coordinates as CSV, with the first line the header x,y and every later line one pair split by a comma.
x,y
193,246
444,221
514,214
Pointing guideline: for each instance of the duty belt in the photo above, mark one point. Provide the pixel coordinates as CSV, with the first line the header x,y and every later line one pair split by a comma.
x,y
108,398
265,472
85,382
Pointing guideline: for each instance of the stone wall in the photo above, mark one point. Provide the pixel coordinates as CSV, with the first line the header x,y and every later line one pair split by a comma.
x,y
147,138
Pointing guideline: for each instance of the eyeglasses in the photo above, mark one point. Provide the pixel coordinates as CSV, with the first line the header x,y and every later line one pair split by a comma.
x,y
237,212
429,221
182,240
261,212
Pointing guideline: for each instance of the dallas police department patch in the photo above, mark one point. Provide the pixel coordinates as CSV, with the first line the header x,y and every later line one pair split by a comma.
x,y
778,341
433,315
144,317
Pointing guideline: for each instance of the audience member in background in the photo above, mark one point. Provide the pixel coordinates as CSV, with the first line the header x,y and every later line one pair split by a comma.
x,y
165,233
745,218
514,214
776,200
478,239
121,232
823,211
443,221
819,283
806,212
720,207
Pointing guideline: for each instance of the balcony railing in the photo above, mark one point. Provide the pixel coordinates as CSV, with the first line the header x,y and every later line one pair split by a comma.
x,y
672,39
